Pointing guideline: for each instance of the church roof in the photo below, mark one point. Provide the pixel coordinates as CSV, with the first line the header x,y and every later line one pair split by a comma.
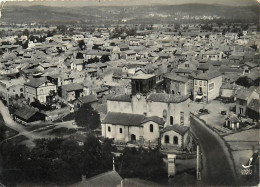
x,y
155,119
177,128
117,118
126,119
167,98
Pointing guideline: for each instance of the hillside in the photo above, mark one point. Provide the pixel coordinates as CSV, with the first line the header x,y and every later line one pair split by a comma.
x,y
133,14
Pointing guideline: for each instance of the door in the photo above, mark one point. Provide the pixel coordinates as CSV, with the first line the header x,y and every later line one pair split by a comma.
x,y
133,137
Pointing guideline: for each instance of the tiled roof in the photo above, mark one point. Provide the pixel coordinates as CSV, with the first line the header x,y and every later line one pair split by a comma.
x,y
117,118
177,128
167,98
208,75
176,77
181,70
230,70
36,82
243,94
101,89
233,118
88,99
155,119
143,76
25,112
129,52
72,87
130,182
110,178
123,98
254,105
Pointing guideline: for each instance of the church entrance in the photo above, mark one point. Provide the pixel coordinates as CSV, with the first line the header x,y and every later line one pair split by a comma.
x,y
133,137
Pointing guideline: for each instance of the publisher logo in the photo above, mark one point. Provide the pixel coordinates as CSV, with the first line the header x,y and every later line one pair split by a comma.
x,y
247,168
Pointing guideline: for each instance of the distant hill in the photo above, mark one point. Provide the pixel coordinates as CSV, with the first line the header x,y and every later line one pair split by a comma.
x,y
131,14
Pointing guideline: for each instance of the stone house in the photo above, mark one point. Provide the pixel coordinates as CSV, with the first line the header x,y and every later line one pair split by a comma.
x,y
206,86
38,89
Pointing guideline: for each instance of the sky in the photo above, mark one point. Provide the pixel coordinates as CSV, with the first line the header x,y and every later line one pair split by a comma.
x,y
68,3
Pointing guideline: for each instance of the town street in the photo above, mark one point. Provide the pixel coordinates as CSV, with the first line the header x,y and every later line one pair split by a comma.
x,y
9,122
217,167
31,135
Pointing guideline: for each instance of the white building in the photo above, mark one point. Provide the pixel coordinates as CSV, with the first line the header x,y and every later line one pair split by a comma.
x,y
143,117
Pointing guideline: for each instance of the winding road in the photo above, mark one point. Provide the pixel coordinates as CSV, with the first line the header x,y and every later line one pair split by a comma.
x,y
31,135
217,164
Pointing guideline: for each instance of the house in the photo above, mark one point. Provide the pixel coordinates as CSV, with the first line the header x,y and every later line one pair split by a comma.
x,y
211,55
128,55
177,84
232,122
38,89
89,99
243,98
71,92
100,92
190,65
253,109
206,86
228,90
77,64
26,115
11,88
134,42
248,66
183,71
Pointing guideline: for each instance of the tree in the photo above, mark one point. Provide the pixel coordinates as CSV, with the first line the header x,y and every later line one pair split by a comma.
x,y
93,60
245,81
62,29
82,44
52,96
85,116
25,45
141,163
104,58
2,128
14,160
240,33
97,157
26,32
112,44
79,56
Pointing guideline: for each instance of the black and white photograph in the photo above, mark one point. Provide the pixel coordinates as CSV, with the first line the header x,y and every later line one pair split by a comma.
x,y
129,93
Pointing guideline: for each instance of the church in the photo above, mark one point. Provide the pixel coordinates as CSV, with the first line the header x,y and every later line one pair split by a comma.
x,y
146,118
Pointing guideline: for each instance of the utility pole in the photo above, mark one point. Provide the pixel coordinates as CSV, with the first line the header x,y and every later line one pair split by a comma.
x,y
198,174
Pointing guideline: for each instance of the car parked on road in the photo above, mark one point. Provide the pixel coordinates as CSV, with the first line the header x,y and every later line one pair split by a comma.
x,y
203,111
